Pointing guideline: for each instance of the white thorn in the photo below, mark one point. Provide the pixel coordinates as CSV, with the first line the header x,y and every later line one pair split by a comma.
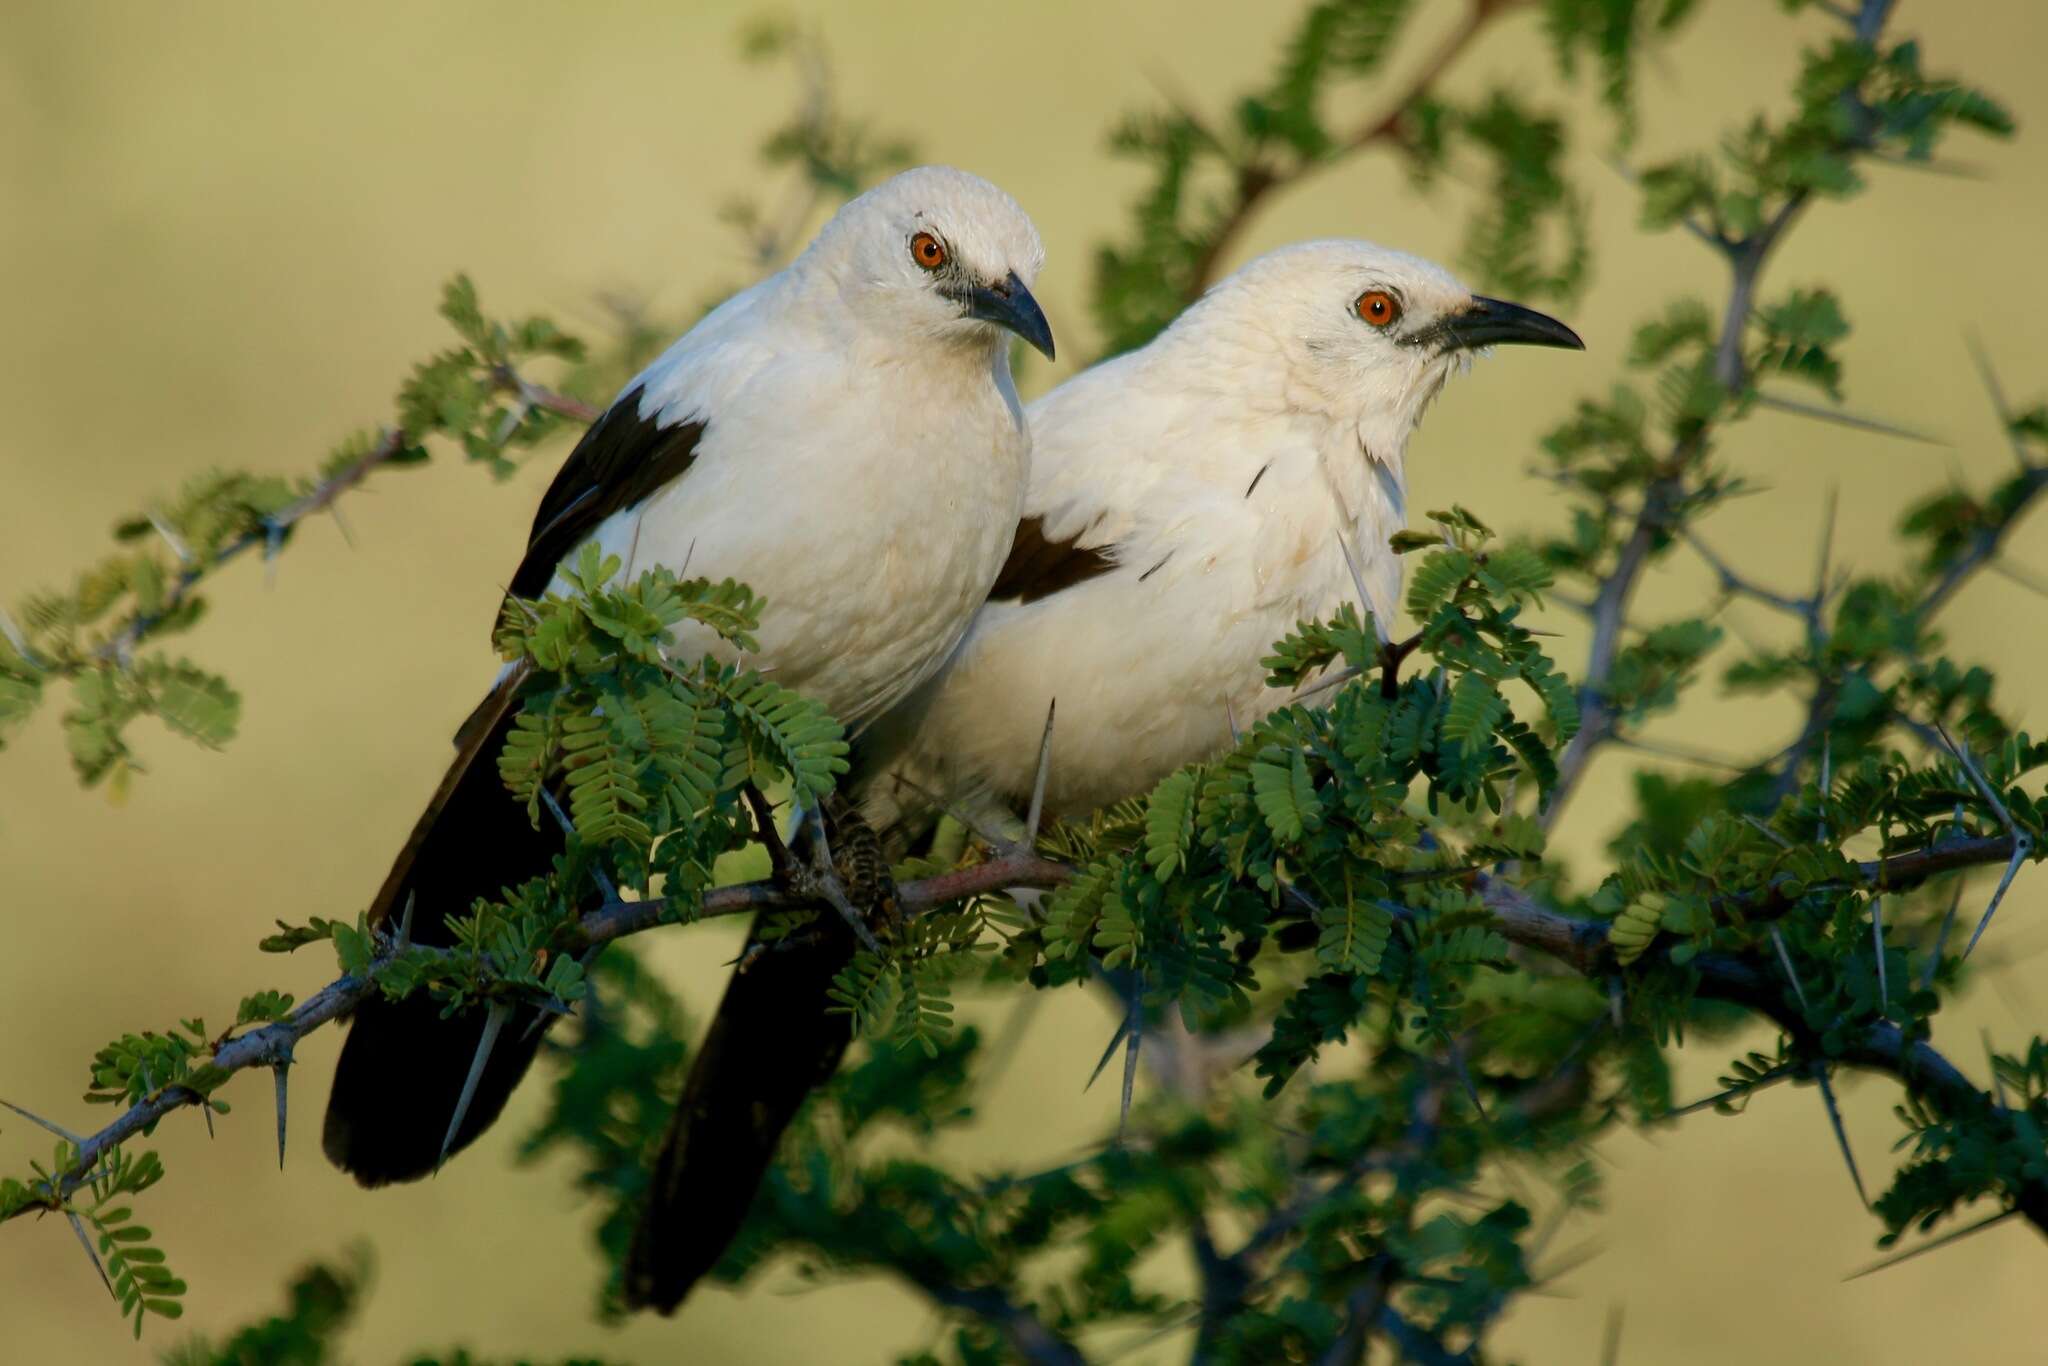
x,y
494,1020
171,537
73,1139
2022,845
85,1241
1827,1095
1037,811
1786,958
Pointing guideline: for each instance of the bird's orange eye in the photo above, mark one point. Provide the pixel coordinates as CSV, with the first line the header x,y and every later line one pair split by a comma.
x,y
1378,307
928,251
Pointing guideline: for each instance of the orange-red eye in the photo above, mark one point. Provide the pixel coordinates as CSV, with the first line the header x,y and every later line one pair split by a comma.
x,y
928,251
1378,307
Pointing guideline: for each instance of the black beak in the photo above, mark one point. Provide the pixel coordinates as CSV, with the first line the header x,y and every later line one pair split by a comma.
x,y
1493,322
1010,305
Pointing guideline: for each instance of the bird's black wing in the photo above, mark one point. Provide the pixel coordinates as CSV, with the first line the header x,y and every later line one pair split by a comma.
x,y
1039,567
623,459
403,1067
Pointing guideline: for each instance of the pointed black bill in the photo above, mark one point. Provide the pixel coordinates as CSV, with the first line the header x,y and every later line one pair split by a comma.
x,y
1009,305
1496,322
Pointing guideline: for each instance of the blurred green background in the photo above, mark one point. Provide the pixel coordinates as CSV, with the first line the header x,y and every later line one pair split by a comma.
x,y
222,230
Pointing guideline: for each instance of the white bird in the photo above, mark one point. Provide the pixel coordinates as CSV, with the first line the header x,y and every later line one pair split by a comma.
x,y
1190,502
845,438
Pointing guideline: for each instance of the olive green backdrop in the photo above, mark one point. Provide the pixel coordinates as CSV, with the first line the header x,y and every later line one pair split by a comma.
x,y
222,227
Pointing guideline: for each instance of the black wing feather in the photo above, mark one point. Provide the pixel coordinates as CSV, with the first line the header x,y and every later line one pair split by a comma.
x,y
1038,567
623,459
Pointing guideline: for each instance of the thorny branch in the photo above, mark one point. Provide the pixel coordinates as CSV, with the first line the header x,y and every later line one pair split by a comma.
x,y
1580,944
271,1045
271,533
1666,492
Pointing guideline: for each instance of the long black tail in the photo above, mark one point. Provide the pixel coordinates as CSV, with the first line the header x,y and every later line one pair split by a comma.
x,y
771,1044
402,1069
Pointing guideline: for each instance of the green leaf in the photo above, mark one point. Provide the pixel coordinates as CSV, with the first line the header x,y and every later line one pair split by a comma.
x,y
1476,710
1285,795
1170,821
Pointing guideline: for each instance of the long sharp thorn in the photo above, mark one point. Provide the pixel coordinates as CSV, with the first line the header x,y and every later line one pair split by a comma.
x,y
73,1139
278,1073
597,874
206,1110
494,1020
2021,847
85,1241
1998,403
1846,419
1827,545
1038,780
1230,719
2026,579
171,537
1335,680
1827,1095
1827,781
273,542
341,523
1786,958
12,631
1782,842
1978,780
545,1012
1943,1241
1948,922
1358,582
1137,1036
1123,1027
972,826
404,940
1884,994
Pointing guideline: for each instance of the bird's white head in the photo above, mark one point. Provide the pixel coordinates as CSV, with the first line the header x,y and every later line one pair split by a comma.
x,y
1357,333
940,252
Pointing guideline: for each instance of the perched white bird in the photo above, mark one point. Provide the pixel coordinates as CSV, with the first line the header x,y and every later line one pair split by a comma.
x,y
845,438
1190,502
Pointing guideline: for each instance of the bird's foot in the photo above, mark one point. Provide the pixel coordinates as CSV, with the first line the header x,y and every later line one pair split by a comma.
x,y
862,868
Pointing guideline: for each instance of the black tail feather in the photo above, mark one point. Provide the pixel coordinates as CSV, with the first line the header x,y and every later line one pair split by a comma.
x,y
403,1066
773,1042
770,1045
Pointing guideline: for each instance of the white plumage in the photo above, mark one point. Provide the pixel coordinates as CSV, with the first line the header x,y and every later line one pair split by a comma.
x,y
1223,467
864,454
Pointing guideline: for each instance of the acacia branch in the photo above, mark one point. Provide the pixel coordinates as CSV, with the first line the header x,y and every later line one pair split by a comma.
x,y
271,1045
1256,180
1984,544
1879,1046
1666,491
1028,1335
271,532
